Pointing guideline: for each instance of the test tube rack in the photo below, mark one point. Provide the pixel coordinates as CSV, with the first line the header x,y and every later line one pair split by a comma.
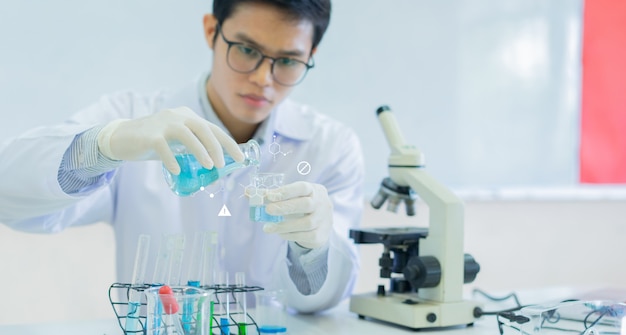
x,y
119,294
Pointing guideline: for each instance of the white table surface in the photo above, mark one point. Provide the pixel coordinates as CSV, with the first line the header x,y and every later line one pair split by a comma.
x,y
337,321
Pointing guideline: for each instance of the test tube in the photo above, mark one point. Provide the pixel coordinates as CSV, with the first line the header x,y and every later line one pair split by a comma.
x,y
170,309
176,263
162,270
169,260
209,269
224,303
132,324
241,314
162,262
196,262
194,276
210,263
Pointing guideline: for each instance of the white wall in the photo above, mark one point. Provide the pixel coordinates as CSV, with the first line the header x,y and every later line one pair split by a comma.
x,y
529,244
519,244
63,276
469,80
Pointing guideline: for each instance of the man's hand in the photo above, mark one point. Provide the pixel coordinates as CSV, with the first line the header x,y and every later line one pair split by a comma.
x,y
142,138
307,211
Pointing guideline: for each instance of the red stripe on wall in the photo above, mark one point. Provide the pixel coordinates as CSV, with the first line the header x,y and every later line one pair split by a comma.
x,y
603,116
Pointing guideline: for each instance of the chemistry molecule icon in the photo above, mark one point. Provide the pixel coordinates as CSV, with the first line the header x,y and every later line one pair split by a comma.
x,y
261,182
274,148
219,190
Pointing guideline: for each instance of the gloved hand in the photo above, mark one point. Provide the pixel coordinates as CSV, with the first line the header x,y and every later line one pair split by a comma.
x,y
142,138
307,212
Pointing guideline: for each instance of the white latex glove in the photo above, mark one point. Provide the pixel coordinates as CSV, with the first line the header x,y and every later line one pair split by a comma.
x,y
142,138
307,212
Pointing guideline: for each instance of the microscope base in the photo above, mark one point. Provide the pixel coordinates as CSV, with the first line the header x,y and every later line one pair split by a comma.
x,y
414,312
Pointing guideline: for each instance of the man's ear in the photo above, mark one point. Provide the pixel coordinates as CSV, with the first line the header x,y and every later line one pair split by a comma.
x,y
313,51
209,23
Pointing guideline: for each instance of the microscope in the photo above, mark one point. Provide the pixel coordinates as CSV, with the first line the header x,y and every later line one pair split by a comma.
x,y
426,266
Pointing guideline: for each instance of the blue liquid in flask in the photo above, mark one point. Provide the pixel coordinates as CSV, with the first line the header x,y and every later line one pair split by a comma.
x,y
194,177
258,214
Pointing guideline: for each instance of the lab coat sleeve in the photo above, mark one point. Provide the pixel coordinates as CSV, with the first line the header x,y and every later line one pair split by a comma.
x,y
344,182
30,196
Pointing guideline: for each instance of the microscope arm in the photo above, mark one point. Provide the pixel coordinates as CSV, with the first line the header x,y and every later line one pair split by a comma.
x,y
445,232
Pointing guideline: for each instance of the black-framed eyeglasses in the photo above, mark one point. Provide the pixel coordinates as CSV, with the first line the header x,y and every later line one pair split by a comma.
x,y
243,58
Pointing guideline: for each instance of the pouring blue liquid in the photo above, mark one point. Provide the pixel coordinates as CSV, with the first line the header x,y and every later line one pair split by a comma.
x,y
194,177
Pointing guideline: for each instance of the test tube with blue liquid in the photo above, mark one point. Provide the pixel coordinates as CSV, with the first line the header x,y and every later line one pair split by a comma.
x,y
210,260
224,300
194,177
132,324
260,184
194,276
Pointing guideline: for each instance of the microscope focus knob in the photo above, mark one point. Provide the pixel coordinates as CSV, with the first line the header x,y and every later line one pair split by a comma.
x,y
423,271
386,265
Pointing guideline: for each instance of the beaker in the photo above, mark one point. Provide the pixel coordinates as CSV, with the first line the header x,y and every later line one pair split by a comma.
x,y
194,177
260,183
186,310
270,312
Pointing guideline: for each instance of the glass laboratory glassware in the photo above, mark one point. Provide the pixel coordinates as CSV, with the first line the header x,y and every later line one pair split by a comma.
x,y
241,308
588,317
165,312
260,183
271,312
194,177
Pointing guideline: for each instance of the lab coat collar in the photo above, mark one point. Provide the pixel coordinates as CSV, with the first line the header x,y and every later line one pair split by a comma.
x,y
287,119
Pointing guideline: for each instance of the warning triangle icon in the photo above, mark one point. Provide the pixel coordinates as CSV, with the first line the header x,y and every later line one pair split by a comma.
x,y
224,211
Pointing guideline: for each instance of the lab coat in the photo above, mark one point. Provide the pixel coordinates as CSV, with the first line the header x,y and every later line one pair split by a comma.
x,y
135,198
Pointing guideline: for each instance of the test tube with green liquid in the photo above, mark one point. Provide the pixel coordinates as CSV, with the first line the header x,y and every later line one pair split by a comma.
x,y
210,270
241,314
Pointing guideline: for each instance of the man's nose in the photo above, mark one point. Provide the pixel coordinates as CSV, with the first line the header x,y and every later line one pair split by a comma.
x,y
262,76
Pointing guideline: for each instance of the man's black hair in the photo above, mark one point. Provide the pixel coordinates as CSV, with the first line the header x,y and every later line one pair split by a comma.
x,y
315,11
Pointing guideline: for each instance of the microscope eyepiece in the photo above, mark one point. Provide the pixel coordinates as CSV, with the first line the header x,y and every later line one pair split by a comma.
x,y
382,108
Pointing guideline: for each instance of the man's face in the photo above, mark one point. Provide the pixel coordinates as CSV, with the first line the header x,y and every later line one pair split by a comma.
x,y
250,97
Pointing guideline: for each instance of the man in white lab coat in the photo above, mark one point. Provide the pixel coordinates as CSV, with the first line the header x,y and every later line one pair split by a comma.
x,y
106,162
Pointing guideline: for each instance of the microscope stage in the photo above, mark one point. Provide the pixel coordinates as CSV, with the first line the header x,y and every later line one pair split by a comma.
x,y
388,235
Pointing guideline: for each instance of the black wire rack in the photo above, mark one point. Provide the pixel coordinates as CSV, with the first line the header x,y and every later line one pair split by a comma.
x,y
135,313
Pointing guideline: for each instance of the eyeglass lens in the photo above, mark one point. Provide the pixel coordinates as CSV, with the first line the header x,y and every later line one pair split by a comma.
x,y
245,59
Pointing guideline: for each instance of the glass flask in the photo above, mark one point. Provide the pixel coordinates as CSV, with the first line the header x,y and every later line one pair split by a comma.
x,y
165,314
271,312
194,177
260,183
